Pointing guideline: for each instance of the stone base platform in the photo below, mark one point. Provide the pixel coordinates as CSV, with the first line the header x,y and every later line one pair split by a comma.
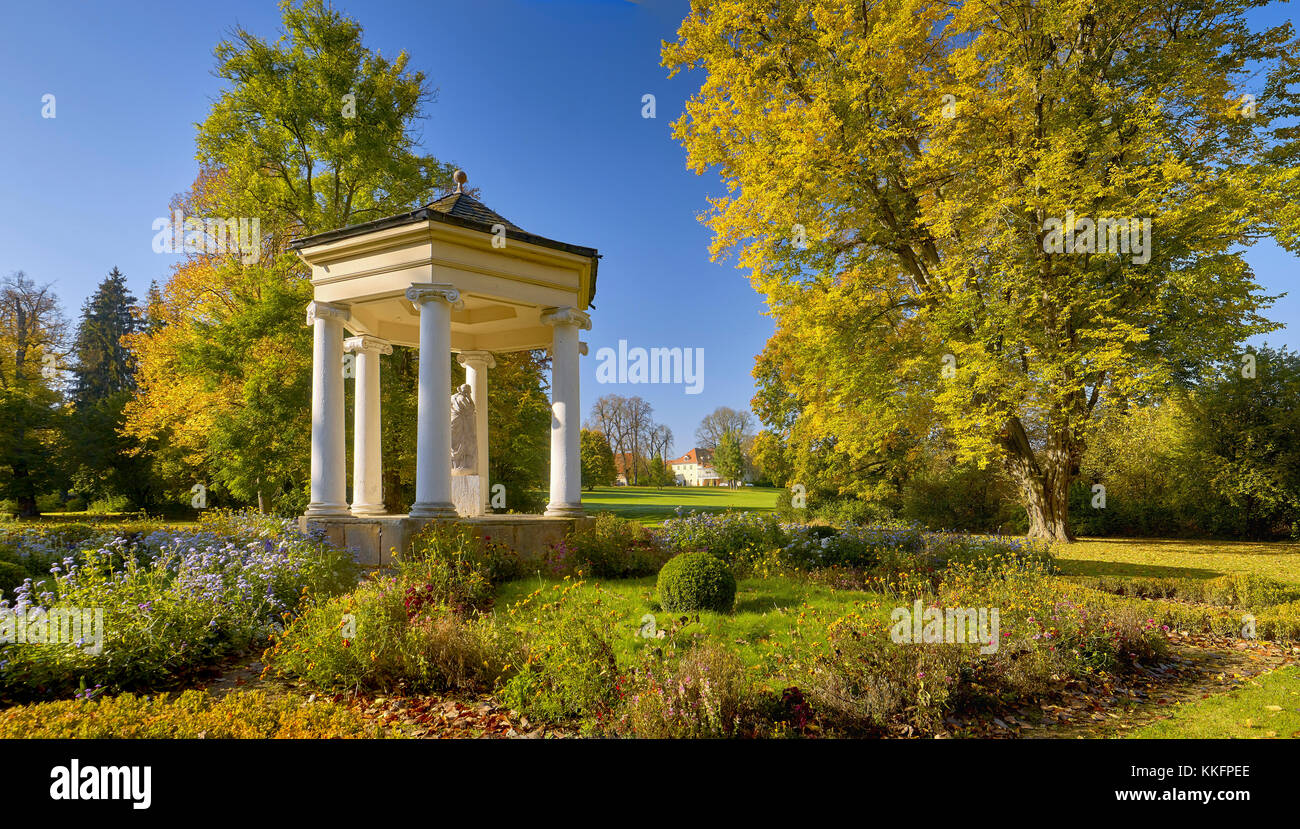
x,y
373,540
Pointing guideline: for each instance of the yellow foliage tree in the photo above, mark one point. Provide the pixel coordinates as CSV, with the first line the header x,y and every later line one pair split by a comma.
x,y
988,217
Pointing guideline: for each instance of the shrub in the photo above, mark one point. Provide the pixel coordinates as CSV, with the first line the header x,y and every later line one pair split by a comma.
x,y
813,547
75,504
1245,590
845,512
611,548
108,504
187,716
861,680
449,565
705,693
696,581
373,640
566,669
247,526
420,630
996,552
734,537
962,497
49,503
1279,622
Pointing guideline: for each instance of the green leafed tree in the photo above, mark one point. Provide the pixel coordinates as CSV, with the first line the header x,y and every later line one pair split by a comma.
x,y
316,128
312,131
1245,430
729,458
929,196
597,460
519,428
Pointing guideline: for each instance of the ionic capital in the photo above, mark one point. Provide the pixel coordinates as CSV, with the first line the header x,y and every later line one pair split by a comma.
x,y
368,344
567,315
422,292
317,310
477,359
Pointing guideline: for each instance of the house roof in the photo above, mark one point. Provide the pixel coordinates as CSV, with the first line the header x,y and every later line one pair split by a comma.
x,y
463,210
696,455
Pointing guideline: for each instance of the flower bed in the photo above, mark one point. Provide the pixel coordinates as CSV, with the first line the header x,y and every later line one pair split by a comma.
x,y
154,608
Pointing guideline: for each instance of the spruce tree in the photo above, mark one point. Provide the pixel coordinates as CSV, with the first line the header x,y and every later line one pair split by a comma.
x,y
103,365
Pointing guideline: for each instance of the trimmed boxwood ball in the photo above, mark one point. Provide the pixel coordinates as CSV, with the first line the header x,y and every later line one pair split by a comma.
x,y
696,581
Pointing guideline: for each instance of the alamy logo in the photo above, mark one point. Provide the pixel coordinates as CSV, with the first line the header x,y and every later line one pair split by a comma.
x,y
1104,235
77,782
80,626
182,234
655,365
949,625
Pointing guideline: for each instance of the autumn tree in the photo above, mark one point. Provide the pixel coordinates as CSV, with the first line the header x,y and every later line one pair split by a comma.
x,y
917,189
312,131
769,459
32,357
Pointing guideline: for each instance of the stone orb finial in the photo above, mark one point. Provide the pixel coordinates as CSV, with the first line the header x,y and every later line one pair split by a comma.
x,y
460,179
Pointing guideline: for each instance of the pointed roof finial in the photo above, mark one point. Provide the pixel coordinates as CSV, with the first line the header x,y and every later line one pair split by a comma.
x,y
460,178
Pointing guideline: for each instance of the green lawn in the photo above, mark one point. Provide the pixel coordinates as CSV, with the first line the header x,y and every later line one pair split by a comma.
x,y
650,505
767,614
46,519
1130,557
1266,706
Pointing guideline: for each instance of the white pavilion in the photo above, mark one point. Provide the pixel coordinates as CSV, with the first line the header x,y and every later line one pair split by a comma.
x,y
450,277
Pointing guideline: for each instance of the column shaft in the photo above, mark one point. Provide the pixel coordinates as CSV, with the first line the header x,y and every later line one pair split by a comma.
x,y
367,445
566,412
328,450
433,407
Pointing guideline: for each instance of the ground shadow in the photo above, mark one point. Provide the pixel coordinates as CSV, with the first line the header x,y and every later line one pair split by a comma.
x,y
1088,567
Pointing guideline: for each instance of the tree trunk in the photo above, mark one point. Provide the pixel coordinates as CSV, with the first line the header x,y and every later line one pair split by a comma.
x,y
1044,481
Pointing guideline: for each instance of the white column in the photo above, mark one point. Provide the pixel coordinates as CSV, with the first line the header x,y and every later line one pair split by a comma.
x,y
476,365
328,455
566,411
433,406
367,452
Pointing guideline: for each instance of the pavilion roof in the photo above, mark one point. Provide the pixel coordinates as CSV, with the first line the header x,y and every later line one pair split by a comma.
x,y
455,208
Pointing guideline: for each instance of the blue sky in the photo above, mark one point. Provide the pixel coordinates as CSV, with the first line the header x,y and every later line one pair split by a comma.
x,y
540,102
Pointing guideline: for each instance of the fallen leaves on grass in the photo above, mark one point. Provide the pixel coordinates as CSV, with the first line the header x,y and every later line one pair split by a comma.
x,y
432,717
